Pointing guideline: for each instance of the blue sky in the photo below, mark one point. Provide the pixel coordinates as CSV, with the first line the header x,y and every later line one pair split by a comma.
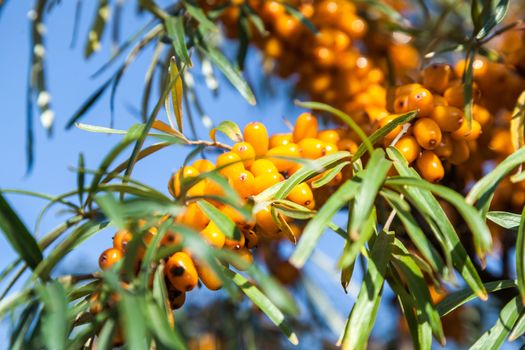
x,y
70,82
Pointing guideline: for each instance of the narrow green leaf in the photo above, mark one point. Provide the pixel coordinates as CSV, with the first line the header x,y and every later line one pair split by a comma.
x,y
520,257
228,128
329,175
175,28
482,190
493,338
353,247
131,316
97,29
223,222
364,311
492,14
517,123
105,337
315,227
196,12
18,235
458,298
371,181
266,306
519,328
300,17
112,208
54,322
231,73
81,177
159,326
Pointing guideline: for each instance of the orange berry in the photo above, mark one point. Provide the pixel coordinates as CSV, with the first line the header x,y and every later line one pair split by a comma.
x,y
329,148
272,9
265,223
329,136
407,89
255,134
448,118
121,240
176,298
203,165
302,194
422,101
280,140
445,147
282,156
208,277
287,27
170,238
243,183
466,133
427,133
440,101
323,56
263,166
231,243
251,239
245,151
264,181
230,164
436,77
481,115
109,257
460,152
408,147
348,145
305,126
213,235
430,167
311,148
273,47
181,272
193,217
184,174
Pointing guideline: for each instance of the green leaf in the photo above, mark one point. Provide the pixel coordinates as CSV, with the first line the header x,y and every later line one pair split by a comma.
x,y
519,328
18,235
292,210
479,229
353,247
112,208
416,234
196,12
371,181
300,17
364,311
223,222
54,322
509,221
105,337
494,337
482,190
316,227
418,288
229,129
176,92
81,176
492,14
264,304
458,298
161,329
97,29
175,28
520,257
379,134
341,115
231,73
443,230
329,175
517,123
131,316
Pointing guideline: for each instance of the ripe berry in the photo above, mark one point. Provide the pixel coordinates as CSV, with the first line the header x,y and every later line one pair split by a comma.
x,y
436,77
408,147
329,136
348,145
466,133
176,298
193,217
208,277
392,134
213,235
430,166
231,243
109,257
245,151
265,223
243,183
445,147
280,139
203,165
448,118
230,164
250,238
121,240
170,239
311,148
427,133
422,101
263,166
460,152
181,272
265,181
255,134
182,175
302,194
282,156
246,257
305,126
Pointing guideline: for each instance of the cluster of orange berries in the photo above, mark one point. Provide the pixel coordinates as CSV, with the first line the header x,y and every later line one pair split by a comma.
x,y
441,131
330,65
250,167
